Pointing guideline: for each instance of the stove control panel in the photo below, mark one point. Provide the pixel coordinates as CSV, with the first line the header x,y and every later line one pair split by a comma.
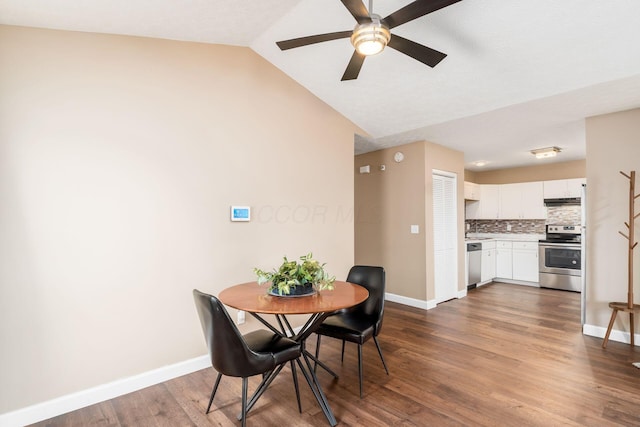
x,y
563,229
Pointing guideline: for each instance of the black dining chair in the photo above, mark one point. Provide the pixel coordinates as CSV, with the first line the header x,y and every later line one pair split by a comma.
x,y
360,323
237,355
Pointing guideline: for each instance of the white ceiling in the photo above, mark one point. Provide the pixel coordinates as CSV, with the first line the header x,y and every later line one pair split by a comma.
x,y
520,74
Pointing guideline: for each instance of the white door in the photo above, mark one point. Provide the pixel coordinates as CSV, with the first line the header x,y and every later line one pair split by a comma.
x,y
445,236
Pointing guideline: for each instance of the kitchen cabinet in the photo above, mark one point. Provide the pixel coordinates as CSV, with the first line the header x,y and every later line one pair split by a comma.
x,y
488,262
523,200
511,261
574,187
525,261
471,209
488,206
562,188
504,263
471,191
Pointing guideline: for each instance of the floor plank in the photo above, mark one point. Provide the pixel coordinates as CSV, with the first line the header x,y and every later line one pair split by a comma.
x,y
504,355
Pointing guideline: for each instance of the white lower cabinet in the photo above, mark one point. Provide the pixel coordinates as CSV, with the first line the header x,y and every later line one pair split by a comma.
x,y
512,261
488,263
525,261
504,263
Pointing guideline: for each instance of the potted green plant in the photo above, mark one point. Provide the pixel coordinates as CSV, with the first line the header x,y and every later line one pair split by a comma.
x,y
296,278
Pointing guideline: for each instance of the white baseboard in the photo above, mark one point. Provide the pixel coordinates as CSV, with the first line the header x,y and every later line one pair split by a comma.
x,y
81,399
411,302
616,335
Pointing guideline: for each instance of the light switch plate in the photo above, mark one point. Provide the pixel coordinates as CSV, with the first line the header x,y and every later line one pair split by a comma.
x,y
415,229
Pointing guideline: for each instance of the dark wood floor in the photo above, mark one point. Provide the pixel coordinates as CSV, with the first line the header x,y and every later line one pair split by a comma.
x,y
505,355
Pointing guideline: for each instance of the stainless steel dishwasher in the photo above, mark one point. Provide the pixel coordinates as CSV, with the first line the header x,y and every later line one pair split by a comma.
x,y
474,262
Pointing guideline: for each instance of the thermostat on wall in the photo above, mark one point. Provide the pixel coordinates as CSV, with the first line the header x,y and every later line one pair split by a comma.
x,y
240,213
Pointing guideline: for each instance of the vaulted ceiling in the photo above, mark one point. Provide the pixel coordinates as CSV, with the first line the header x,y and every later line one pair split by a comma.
x,y
519,74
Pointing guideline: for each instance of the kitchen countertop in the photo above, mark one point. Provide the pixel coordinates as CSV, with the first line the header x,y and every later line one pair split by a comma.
x,y
483,237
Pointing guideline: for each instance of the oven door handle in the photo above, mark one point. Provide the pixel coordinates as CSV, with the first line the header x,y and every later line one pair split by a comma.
x,y
560,245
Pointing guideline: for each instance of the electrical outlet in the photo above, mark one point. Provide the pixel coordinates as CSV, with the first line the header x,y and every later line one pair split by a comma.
x,y
241,317
508,227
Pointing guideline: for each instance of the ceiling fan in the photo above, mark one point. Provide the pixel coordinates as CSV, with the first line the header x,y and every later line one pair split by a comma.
x,y
372,34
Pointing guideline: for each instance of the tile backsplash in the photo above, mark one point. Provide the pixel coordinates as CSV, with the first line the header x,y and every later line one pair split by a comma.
x,y
500,226
565,215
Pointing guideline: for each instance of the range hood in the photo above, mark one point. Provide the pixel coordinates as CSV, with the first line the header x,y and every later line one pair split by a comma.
x,y
565,201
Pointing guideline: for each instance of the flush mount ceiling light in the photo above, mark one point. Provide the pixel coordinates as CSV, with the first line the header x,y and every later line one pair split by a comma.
x,y
545,153
371,38
480,163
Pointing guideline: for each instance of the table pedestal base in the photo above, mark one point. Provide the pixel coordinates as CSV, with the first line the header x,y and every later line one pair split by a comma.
x,y
309,374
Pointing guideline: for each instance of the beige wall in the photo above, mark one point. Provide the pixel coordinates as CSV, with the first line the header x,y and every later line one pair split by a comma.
x,y
389,202
546,172
119,160
613,145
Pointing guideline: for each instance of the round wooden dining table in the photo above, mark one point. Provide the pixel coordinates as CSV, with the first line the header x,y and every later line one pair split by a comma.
x,y
255,299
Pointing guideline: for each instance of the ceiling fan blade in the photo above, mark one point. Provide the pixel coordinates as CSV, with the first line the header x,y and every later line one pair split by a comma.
x,y
318,38
424,54
415,10
353,69
357,9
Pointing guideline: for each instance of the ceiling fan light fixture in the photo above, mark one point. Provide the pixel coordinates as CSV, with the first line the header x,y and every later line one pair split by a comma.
x,y
370,38
545,153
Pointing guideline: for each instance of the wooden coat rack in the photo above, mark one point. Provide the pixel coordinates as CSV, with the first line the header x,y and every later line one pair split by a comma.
x,y
628,306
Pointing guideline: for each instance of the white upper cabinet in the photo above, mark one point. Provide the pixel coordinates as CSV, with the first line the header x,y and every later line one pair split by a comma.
x,y
522,201
555,189
471,191
510,200
490,201
562,188
574,187
488,206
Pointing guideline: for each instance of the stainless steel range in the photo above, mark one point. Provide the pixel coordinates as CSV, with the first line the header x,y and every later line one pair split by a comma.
x,y
560,257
